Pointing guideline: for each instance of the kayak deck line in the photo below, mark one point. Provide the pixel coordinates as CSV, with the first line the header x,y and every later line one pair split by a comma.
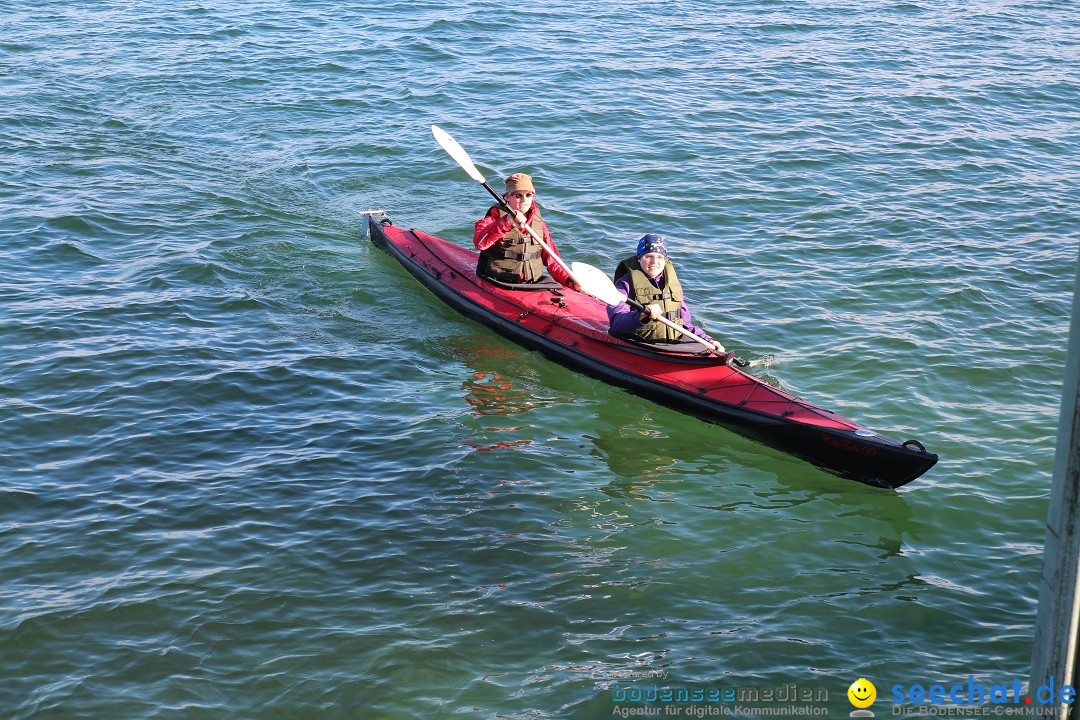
x,y
571,329
474,280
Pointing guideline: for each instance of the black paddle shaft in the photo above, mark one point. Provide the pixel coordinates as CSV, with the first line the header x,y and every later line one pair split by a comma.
x,y
498,198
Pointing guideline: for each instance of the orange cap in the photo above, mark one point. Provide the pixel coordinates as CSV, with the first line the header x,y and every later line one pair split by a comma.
x,y
519,181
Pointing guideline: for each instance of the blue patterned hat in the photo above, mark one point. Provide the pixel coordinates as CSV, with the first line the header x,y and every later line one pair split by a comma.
x,y
652,244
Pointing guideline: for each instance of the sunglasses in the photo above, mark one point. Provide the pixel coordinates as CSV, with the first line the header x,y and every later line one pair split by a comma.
x,y
523,195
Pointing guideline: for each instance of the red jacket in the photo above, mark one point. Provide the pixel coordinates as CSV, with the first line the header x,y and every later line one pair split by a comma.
x,y
490,229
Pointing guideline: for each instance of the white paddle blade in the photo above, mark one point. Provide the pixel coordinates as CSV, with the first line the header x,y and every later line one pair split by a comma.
x,y
450,145
595,282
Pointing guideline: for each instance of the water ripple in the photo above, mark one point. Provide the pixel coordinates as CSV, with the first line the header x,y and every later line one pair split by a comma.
x,y
254,469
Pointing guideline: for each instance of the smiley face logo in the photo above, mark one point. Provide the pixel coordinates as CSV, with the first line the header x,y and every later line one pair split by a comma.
x,y
862,693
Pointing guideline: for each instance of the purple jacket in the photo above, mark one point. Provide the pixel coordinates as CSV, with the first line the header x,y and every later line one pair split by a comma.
x,y
625,320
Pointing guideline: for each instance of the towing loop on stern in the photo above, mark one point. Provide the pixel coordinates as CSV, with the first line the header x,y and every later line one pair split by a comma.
x,y
913,443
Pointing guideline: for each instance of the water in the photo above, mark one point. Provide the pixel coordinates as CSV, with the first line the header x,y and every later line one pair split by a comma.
x,y
252,469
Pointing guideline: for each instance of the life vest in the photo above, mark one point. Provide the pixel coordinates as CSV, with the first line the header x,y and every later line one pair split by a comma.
x,y
517,258
669,297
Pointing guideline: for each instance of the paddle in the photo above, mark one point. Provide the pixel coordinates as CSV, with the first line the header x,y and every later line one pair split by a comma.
x,y
591,279
595,282
454,150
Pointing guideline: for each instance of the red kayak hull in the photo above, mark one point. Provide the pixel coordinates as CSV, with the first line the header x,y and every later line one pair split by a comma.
x,y
571,329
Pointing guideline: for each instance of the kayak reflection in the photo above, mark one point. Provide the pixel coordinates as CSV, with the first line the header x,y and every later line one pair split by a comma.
x,y
492,393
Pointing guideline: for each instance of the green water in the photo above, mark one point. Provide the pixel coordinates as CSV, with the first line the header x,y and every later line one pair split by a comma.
x,y
253,470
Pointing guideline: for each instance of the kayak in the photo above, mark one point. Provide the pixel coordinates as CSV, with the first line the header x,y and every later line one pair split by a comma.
x,y
571,328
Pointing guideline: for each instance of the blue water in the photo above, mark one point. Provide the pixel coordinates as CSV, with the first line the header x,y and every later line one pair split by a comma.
x,y
254,470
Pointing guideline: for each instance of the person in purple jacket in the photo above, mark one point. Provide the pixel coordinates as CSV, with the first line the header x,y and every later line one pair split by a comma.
x,y
650,278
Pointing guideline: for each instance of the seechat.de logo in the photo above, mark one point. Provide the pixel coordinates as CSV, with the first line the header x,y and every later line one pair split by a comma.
x,y
862,694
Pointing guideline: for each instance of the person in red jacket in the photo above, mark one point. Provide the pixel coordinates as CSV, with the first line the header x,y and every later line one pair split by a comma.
x,y
508,253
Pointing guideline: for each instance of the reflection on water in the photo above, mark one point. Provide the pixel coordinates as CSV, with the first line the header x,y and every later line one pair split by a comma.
x,y
887,516
632,451
508,390
663,457
501,445
499,393
491,393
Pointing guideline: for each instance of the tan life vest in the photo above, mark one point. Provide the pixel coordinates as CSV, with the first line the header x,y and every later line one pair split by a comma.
x,y
517,258
669,297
